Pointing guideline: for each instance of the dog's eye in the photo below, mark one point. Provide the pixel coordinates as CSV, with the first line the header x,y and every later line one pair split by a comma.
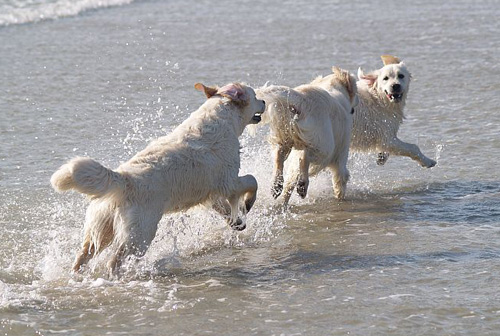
x,y
401,76
386,78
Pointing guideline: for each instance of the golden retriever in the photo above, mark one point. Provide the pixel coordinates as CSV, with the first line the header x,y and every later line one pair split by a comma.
x,y
312,123
198,163
382,97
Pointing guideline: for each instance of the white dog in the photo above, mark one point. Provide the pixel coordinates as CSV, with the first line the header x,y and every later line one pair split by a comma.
x,y
197,163
382,96
314,123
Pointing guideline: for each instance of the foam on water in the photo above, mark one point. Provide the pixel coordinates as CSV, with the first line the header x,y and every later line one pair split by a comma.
x,y
18,11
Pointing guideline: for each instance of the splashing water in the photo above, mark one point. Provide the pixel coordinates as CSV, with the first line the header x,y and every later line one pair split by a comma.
x,y
400,255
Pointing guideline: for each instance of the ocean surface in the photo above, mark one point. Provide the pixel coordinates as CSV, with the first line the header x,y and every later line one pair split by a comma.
x,y
412,251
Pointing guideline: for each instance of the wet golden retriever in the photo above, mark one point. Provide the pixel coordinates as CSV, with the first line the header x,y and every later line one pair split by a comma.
x,y
312,123
198,163
382,97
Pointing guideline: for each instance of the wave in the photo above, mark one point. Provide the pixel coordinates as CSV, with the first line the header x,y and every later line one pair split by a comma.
x,y
21,11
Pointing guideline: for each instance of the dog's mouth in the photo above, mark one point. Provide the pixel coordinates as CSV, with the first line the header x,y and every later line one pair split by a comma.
x,y
394,97
256,118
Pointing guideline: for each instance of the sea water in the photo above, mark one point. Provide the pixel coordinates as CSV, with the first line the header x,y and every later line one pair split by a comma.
x,y
412,251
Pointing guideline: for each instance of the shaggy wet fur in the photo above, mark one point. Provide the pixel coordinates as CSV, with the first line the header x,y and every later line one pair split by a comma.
x,y
198,163
377,118
312,123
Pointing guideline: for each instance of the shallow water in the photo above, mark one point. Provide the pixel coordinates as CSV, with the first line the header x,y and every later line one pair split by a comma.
x,y
412,251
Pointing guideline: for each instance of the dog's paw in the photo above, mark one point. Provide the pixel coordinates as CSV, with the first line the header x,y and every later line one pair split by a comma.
x,y
302,188
238,225
277,189
340,195
382,158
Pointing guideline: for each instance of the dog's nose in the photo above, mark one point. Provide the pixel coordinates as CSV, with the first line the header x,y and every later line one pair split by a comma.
x,y
396,87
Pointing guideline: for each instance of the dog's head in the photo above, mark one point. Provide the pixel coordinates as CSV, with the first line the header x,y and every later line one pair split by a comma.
x,y
242,96
391,81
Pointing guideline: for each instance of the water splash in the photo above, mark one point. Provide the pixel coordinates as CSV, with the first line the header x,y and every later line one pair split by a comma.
x,y
439,150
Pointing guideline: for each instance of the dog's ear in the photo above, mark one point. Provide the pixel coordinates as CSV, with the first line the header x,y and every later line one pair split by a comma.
x,y
369,79
389,59
209,91
233,91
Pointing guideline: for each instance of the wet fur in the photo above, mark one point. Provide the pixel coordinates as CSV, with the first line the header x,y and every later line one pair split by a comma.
x,y
198,163
377,118
312,124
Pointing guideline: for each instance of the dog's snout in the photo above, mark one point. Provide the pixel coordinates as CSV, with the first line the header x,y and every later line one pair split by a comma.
x,y
396,87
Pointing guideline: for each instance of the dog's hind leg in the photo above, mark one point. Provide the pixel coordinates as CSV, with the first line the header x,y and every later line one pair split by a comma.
x,y
115,261
340,176
303,180
401,148
281,153
98,232
293,173
83,257
135,228
339,179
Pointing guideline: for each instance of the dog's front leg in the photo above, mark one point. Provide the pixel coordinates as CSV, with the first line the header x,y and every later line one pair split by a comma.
x,y
280,155
224,207
249,191
398,147
303,180
246,188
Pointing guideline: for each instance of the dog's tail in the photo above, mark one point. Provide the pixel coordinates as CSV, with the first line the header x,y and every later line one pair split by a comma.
x,y
87,176
349,83
284,107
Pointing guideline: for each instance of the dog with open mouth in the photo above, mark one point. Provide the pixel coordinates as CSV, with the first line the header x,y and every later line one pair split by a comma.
x,y
377,118
197,163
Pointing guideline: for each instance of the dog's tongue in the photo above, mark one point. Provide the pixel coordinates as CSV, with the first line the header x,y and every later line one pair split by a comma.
x,y
393,97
